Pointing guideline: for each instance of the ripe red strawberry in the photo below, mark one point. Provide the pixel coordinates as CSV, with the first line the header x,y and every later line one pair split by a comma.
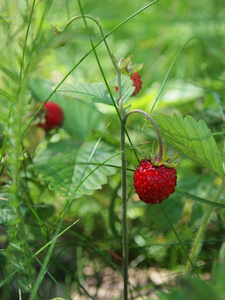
x,y
136,82
154,184
53,116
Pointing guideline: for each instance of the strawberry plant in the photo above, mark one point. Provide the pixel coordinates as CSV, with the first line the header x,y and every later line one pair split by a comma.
x,y
115,132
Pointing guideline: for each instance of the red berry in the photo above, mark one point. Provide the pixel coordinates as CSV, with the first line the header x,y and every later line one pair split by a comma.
x,y
53,116
153,184
136,82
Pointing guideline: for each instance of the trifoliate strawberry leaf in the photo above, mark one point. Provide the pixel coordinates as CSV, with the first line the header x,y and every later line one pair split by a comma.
x,y
67,167
90,92
126,86
192,138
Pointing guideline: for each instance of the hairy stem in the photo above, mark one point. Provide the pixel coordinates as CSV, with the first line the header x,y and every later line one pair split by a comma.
x,y
124,213
124,193
202,228
160,155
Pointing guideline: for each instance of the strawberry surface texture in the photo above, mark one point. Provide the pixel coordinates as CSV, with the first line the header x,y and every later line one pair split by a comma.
x,y
137,83
153,184
53,116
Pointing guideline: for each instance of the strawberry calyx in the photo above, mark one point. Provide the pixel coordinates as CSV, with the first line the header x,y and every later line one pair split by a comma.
x,y
127,67
168,161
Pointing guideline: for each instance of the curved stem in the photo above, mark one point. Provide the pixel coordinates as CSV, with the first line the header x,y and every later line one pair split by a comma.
x,y
97,21
202,228
71,21
160,155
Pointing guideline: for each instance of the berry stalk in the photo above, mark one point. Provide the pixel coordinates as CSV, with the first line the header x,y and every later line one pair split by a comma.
x,y
160,155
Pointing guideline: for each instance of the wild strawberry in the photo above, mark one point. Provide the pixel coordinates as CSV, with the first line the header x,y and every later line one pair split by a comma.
x,y
52,116
137,83
153,183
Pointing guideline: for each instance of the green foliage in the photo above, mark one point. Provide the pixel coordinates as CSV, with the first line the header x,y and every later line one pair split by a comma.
x,y
90,92
219,271
67,165
190,289
127,87
79,118
42,243
192,138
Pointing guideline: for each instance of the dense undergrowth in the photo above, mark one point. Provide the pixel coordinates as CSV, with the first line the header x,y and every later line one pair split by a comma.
x,y
60,198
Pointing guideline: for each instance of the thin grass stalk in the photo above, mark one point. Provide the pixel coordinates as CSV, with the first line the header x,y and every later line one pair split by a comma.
x,y
16,152
124,210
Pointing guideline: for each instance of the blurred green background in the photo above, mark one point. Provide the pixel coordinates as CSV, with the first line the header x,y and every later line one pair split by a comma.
x,y
187,34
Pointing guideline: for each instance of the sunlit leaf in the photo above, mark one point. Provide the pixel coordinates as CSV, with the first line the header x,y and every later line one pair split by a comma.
x,y
126,86
65,165
192,138
90,92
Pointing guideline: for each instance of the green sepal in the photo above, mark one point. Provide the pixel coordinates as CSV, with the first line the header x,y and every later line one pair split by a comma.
x,y
125,62
168,161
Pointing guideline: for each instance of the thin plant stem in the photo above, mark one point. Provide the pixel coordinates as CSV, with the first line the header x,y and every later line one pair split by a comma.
x,y
5,141
123,197
168,72
160,155
178,238
15,189
202,228
25,42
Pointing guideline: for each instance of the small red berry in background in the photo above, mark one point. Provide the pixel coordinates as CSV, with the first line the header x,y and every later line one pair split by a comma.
x,y
137,83
52,116
153,184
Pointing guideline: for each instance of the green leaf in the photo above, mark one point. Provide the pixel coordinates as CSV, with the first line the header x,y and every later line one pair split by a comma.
x,y
90,92
57,298
79,117
195,288
10,73
191,289
126,86
64,164
201,200
192,138
180,92
219,271
219,103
